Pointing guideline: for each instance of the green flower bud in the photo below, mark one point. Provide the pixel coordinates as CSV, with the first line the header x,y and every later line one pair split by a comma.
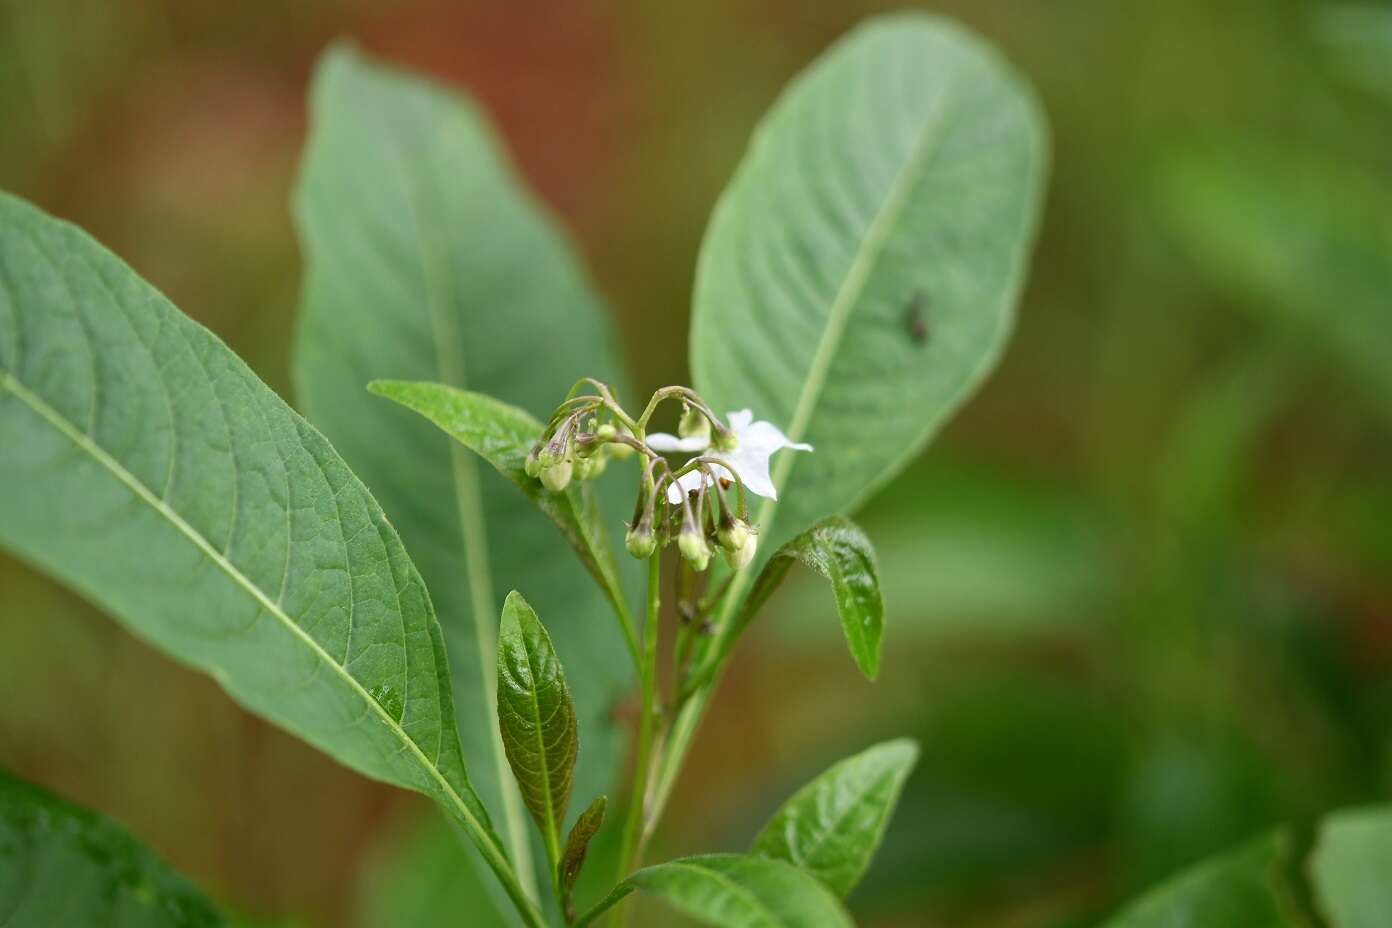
x,y
693,424
640,541
588,468
533,465
616,449
694,548
741,557
557,477
733,533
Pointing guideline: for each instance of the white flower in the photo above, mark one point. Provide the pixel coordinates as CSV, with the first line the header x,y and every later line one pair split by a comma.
x,y
756,443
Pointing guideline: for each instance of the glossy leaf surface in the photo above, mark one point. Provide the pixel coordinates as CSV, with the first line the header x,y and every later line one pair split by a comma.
x,y
832,826
536,719
737,891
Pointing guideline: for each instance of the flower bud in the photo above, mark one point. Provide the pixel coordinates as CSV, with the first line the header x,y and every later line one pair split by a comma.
x,y
694,548
693,424
740,557
616,449
556,477
640,541
588,468
533,464
733,533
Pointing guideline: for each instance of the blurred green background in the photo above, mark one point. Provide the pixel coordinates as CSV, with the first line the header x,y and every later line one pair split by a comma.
x,y
1139,593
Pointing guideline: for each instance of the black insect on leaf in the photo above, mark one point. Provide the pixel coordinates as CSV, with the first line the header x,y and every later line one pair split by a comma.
x,y
916,318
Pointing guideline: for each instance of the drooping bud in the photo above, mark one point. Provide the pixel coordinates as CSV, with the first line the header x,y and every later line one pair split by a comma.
x,y
693,424
640,541
617,449
740,557
590,467
693,547
733,533
557,477
533,463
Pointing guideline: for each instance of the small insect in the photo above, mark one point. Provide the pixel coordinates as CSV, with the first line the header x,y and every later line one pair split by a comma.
x,y
916,318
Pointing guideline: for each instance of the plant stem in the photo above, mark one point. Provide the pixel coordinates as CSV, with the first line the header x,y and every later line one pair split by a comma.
x,y
683,727
629,851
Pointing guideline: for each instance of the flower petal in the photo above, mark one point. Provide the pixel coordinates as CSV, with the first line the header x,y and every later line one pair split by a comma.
x,y
663,442
739,420
768,437
692,480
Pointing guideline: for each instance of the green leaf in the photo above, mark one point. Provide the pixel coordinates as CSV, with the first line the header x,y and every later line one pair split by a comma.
x,y
503,435
427,259
1240,888
148,467
837,549
577,846
860,273
831,827
735,891
1351,867
61,865
536,719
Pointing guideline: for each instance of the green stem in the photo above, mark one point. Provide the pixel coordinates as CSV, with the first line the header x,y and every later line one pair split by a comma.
x,y
683,727
629,850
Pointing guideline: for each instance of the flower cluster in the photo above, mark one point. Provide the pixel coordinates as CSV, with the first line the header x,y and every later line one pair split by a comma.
x,y
700,502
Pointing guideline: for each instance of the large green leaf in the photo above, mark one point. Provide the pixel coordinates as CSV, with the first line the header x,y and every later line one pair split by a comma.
x,y
149,468
735,891
61,865
428,261
832,826
859,276
536,718
1243,888
1352,868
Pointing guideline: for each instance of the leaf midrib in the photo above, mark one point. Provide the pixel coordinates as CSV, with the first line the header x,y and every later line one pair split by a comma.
x,y
85,443
853,287
819,841
468,498
735,888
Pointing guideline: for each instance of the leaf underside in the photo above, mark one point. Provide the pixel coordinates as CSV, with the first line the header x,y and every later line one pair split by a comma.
x,y
150,469
860,273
